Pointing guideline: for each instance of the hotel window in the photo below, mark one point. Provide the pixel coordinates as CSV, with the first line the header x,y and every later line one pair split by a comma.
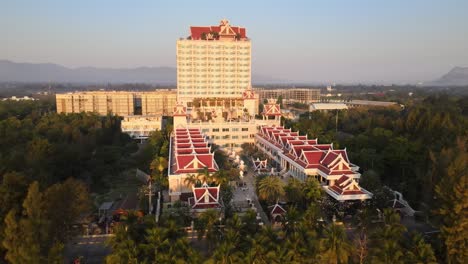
x,y
225,129
235,129
215,129
235,137
245,129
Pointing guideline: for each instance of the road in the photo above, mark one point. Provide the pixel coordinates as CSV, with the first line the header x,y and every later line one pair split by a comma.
x,y
91,248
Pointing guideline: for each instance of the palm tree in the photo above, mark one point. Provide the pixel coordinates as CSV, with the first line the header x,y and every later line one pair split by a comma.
x,y
386,240
264,247
220,177
206,226
191,179
312,191
206,176
270,188
293,191
291,220
227,251
335,246
159,164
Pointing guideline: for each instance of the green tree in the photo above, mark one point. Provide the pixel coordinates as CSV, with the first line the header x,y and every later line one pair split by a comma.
x,y
312,190
27,239
335,247
206,226
270,188
293,191
386,241
452,197
64,204
420,251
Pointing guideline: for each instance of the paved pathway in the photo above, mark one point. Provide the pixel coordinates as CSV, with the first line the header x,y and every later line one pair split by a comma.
x,y
241,194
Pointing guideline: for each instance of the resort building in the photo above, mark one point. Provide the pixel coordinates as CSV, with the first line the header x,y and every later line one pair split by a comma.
x,y
300,157
213,62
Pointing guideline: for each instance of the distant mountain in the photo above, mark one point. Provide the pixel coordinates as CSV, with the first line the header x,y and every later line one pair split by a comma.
x,y
458,76
49,72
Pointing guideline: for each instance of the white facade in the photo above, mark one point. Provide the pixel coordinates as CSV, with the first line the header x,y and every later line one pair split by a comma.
x,y
213,67
139,127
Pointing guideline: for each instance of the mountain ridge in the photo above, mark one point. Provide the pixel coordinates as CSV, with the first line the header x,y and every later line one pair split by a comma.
x,y
50,72
457,76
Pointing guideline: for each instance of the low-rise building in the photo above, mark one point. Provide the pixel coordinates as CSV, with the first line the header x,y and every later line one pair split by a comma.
x,y
290,95
140,127
327,106
122,103
299,157
189,152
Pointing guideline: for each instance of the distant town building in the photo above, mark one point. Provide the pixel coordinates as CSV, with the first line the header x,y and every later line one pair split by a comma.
x,y
122,103
290,95
367,103
327,106
14,98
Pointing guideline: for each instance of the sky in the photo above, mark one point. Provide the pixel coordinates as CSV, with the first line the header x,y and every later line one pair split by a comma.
x,y
329,41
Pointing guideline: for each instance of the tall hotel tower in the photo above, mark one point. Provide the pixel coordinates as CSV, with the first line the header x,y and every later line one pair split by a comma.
x,y
213,62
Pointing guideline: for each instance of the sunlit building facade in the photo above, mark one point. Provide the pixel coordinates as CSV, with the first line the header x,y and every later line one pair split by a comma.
x,y
213,62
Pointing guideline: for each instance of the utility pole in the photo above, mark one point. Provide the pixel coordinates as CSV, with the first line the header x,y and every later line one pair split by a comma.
x,y
150,193
336,122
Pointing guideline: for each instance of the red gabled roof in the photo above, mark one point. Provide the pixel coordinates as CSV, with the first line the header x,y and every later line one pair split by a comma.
x,y
277,209
313,157
272,110
329,158
197,31
205,197
346,185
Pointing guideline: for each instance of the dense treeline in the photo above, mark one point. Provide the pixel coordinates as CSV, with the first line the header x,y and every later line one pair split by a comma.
x,y
419,150
50,147
49,163
396,143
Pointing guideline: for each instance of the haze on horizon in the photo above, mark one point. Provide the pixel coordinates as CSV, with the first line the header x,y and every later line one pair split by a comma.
x,y
302,41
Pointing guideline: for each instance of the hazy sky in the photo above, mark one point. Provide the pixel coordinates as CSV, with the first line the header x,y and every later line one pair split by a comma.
x,y
322,41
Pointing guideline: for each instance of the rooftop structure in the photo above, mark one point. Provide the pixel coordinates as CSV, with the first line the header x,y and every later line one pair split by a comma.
x,y
204,197
357,103
327,106
300,157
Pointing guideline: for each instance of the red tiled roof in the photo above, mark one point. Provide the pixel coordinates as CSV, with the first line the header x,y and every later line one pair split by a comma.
x,y
205,197
313,157
197,31
272,110
277,209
